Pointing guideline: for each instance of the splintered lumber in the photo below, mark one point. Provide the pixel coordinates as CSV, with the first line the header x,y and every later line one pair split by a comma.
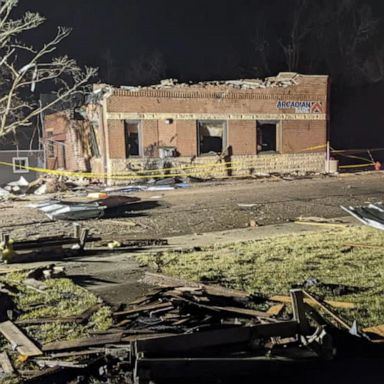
x,y
377,330
173,282
243,311
275,310
95,351
59,363
23,345
325,309
219,337
334,304
5,363
82,343
143,308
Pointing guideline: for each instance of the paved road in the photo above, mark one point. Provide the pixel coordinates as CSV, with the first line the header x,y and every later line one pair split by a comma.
x,y
187,216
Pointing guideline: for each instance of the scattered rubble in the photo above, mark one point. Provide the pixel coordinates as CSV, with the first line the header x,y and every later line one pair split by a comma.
x,y
283,80
82,210
52,247
179,330
371,215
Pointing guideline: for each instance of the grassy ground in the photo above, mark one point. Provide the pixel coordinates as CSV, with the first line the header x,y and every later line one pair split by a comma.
x,y
351,256
61,298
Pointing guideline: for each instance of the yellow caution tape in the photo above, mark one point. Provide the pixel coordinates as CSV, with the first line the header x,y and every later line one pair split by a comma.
x,y
357,150
356,166
314,148
170,172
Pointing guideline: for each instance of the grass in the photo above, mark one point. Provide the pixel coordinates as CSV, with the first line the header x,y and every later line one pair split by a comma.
x,y
61,298
274,265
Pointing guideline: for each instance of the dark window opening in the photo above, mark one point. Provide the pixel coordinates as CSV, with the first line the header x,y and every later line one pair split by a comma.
x,y
266,137
20,165
132,138
211,136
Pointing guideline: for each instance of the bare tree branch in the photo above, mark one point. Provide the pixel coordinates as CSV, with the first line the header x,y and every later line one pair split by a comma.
x,y
23,68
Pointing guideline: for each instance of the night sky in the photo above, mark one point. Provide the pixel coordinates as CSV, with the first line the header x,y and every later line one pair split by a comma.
x,y
200,39
213,39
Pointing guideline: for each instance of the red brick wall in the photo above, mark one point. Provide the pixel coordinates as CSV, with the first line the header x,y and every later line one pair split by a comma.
x,y
242,137
219,99
295,135
186,137
167,134
116,139
300,135
150,137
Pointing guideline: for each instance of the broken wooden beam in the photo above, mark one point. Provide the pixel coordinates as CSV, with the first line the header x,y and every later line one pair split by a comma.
x,y
143,308
334,304
276,310
338,319
82,343
6,364
14,335
215,338
173,282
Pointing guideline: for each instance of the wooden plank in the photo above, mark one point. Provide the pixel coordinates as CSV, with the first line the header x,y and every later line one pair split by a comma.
x,y
329,312
377,330
16,337
334,304
173,282
61,355
275,310
59,363
243,311
298,306
5,363
143,308
82,343
219,337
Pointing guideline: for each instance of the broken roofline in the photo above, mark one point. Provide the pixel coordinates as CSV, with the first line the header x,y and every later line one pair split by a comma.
x,y
282,80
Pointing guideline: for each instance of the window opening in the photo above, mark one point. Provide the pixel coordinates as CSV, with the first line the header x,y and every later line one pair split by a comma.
x,y
266,137
19,164
132,139
211,136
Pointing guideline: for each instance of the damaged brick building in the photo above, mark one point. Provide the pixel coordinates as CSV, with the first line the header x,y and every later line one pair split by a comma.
x,y
279,124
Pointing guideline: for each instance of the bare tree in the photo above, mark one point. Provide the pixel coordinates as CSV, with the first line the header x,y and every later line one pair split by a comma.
x,y
24,67
300,29
146,69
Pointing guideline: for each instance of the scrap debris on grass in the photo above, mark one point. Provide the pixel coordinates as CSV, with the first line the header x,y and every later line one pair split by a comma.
x,y
277,264
371,215
60,330
64,331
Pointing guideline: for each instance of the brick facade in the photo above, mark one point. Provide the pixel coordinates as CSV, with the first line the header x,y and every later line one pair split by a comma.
x,y
168,116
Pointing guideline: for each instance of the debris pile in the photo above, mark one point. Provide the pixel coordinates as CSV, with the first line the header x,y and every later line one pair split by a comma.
x,y
282,80
18,187
44,247
180,329
53,184
82,210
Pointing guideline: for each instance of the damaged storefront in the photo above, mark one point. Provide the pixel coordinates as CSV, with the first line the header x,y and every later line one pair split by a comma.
x,y
210,129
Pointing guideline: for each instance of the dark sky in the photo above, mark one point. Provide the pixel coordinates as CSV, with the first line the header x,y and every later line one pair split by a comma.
x,y
211,39
198,39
